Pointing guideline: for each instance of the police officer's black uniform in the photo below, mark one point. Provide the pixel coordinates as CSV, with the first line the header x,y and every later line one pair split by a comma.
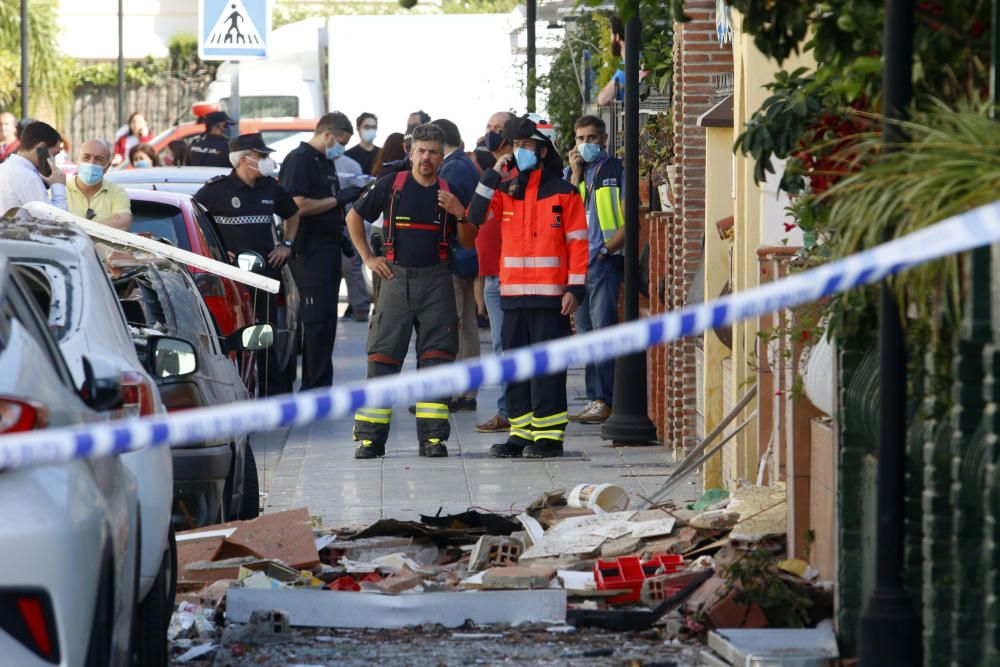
x,y
244,216
210,150
306,172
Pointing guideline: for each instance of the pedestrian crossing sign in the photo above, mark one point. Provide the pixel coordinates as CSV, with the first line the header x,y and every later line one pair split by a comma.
x,y
233,29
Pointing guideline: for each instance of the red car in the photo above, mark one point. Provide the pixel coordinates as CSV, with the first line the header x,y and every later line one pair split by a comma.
x,y
178,219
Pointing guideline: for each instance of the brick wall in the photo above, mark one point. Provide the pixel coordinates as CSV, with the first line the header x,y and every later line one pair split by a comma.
x,y
697,57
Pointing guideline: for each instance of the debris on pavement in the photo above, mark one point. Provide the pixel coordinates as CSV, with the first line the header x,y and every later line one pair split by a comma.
x,y
686,571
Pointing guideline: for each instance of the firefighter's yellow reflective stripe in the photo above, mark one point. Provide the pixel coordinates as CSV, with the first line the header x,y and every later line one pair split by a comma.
x,y
523,420
432,411
548,435
374,415
551,420
609,211
521,433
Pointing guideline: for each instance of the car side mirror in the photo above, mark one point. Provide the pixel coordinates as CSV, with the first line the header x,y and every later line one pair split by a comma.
x,y
248,260
171,357
253,338
100,393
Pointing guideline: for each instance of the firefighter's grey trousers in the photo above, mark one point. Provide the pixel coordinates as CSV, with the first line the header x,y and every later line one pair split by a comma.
x,y
421,299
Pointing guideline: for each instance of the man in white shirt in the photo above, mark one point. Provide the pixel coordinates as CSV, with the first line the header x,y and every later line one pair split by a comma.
x,y
21,178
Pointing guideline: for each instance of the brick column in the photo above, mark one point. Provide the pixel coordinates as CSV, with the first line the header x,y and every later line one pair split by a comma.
x,y
697,57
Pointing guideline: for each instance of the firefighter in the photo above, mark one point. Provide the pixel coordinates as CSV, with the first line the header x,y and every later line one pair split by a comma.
x,y
415,291
543,266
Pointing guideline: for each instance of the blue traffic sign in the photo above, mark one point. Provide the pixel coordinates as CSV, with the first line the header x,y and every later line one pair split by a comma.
x,y
233,29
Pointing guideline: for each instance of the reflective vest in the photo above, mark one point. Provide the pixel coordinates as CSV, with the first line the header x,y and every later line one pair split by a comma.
x,y
603,196
543,233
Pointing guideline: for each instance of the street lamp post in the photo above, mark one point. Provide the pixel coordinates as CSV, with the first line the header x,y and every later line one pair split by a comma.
x,y
121,63
531,11
629,422
889,632
24,58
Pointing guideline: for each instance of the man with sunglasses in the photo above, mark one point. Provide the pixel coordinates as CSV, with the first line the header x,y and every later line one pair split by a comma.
x,y
89,196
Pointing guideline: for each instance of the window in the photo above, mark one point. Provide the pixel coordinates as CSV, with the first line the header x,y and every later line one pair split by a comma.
x,y
27,314
162,220
265,106
212,240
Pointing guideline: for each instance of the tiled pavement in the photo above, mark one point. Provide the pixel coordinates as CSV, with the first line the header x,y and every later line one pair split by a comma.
x,y
314,466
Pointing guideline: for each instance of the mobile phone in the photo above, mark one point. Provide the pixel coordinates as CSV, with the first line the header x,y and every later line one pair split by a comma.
x,y
44,168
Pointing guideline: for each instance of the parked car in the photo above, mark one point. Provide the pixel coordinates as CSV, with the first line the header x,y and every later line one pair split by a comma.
x,y
58,264
282,134
214,480
69,534
149,213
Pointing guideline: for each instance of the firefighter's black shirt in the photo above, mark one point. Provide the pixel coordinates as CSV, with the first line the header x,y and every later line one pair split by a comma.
x,y
415,205
305,172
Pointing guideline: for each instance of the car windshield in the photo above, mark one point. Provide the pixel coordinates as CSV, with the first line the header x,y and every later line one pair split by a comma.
x,y
163,220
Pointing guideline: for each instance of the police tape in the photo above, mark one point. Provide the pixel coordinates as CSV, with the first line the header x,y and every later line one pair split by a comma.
x,y
963,232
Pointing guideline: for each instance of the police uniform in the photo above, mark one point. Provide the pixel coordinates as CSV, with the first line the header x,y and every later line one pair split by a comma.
x,y
419,296
244,216
306,172
210,150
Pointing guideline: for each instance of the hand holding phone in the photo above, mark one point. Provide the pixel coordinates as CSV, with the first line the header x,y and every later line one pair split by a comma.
x,y
44,161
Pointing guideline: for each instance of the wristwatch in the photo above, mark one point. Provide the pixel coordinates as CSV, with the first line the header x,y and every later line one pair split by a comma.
x,y
604,251
287,243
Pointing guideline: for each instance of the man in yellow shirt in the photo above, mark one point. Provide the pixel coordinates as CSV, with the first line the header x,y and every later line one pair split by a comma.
x,y
88,196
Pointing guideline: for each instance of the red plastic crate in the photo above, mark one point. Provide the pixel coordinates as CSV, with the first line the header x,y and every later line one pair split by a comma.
x,y
628,573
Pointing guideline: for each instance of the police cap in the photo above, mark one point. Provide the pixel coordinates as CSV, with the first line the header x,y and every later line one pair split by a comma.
x,y
249,142
217,117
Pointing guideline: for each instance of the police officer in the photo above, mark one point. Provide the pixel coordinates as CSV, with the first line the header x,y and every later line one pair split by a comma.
x,y
211,149
309,175
416,291
243,204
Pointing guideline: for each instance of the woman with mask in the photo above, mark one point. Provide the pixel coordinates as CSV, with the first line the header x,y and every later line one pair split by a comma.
x,y
143,156
138,133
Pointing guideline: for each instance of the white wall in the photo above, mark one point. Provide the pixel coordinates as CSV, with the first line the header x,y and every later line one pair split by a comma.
x,y
89,28
456,66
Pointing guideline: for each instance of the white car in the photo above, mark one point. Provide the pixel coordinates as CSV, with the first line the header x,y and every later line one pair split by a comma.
x,y
59,265
69,532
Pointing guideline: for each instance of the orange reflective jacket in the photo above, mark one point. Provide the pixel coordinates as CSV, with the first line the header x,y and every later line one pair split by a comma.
x,y
543,234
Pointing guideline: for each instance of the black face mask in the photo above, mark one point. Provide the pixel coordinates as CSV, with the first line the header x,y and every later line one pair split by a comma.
x,y
493,141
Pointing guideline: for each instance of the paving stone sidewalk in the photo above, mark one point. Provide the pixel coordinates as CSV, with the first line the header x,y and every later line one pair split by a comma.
x,y
314,466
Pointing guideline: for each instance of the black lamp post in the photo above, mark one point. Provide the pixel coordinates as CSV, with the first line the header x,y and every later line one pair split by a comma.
x,y
531,17
121,63
24,58
889,632
629,422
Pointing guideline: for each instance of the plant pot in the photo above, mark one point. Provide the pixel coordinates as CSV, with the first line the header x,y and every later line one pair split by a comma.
x,y
644,191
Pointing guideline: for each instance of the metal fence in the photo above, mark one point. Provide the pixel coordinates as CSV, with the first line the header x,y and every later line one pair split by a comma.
x,y
95,109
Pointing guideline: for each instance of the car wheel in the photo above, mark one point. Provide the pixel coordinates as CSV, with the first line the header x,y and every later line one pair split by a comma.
x,y
251,486
102,625
150,645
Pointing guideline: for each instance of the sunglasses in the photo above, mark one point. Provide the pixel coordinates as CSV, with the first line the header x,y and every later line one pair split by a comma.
x,y
91,214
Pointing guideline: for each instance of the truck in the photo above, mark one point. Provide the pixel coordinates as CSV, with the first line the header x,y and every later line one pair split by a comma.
x,y
456,66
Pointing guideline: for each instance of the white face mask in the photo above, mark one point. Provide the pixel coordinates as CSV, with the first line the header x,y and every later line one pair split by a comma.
x,y
265,166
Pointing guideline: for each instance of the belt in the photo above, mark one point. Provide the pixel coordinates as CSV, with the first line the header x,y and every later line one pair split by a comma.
x,y
418,272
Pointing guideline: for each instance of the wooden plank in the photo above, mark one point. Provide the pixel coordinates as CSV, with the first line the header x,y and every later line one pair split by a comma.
x,y
96,230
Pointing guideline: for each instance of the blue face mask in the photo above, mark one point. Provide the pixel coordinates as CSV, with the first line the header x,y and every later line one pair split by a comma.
x,y
526,160
335,151
90,174
589,152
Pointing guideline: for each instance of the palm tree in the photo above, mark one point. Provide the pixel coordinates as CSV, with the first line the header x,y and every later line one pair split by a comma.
x,y
49,72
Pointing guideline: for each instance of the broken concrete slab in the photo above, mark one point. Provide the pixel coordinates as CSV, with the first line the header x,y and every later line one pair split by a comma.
x,y
311,608
574,536
763,512
519,577
743,647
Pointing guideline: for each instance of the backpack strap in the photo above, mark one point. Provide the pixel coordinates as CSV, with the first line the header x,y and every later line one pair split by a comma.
x,y
397,187
444,245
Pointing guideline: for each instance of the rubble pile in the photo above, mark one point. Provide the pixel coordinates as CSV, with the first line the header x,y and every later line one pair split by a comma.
x,y
713,565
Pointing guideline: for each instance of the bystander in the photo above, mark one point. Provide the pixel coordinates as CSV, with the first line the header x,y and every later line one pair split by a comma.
x,y
31,174
90,196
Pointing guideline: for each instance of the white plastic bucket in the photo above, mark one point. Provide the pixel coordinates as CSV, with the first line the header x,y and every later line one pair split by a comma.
x,y
599,497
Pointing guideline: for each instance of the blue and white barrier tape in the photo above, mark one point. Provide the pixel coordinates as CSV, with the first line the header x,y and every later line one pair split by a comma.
x,y
957,234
